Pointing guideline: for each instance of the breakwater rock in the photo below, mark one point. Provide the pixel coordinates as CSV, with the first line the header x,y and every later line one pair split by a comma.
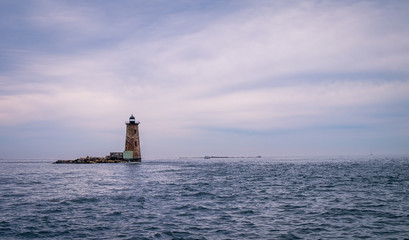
x,y
91,160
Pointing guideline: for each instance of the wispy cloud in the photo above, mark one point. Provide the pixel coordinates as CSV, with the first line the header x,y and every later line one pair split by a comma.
x,y
186,68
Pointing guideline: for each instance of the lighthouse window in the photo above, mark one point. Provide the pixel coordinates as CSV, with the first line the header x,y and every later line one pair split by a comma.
x,y
134,131
136,144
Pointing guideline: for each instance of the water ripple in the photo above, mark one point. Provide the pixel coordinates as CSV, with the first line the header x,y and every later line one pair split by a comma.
x,y
292,198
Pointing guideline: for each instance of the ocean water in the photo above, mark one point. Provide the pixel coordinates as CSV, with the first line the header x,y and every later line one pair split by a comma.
x,y
261,198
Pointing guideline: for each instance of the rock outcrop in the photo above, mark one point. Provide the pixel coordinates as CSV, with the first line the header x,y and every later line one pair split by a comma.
x,y
91,160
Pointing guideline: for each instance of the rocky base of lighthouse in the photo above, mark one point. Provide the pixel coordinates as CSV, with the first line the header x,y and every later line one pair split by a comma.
x,y
92,160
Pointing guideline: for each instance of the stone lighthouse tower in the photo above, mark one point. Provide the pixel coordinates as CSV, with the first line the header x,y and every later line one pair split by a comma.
x,y
132,144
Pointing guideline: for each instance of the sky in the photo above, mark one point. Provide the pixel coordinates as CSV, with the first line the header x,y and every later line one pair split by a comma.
x,y
226,78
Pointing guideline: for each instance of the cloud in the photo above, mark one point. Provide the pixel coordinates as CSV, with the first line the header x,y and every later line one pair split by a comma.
x,y
184,69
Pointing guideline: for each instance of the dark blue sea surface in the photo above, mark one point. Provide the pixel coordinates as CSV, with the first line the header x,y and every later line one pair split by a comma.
x,y
260,198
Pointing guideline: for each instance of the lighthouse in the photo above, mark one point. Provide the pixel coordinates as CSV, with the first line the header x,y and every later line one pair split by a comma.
x,y
132,151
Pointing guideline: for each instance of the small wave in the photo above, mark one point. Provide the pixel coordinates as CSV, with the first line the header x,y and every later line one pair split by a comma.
x,y
85,200
123,198
182,207
246,212
198,194
114,214
288,236
199,208
176,234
